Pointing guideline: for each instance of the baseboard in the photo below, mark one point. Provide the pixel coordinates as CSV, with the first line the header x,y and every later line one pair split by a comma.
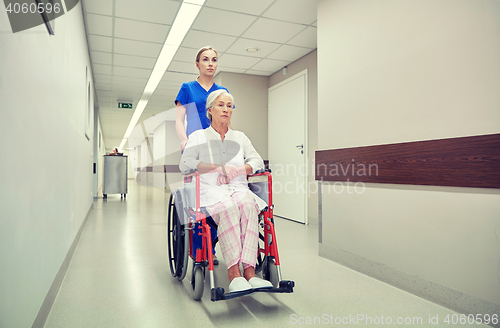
x,y
445,296
44,311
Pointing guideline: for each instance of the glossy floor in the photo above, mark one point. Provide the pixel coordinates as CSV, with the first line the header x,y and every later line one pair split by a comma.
x,y
119,277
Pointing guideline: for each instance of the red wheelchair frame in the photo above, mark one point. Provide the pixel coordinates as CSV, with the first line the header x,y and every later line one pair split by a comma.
x,y
270,265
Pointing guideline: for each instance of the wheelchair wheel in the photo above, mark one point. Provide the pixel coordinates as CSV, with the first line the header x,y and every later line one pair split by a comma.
x,y
270,272
198,282
176,242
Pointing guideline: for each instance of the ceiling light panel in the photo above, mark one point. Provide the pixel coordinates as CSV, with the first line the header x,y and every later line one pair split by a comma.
x,y
306,38
289,53
166,55
127,89
99,57
254,7
103,87
186,54
222,22
102,79
134,61
100,25
153,81
129,79
270,65
177,66
132,72
176,77
125,96
154,11
231,69
197,39
167,84
195,2
103,7
142,31
103,94
273,31
296,11
183,21
102,69
129,47
240,46
158,98
100,43
255,72
237,61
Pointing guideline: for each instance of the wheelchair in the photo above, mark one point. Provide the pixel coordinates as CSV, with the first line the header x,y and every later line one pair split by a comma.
x,y
184,211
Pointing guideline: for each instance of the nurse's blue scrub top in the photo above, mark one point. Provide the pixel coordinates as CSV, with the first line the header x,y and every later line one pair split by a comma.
x,y
194,98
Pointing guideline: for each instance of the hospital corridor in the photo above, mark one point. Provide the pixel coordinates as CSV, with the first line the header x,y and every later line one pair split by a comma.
x,y
119,277
235,163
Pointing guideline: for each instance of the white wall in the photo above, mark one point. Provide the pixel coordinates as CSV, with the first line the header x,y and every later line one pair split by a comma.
x,y
46,163
101,151
308,62
250,99
395,71
159,152
145,177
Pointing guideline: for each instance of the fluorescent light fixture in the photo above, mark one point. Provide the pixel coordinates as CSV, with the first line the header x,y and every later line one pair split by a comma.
x,y
135,118
154,80
182,23
195,2
166,55
122,144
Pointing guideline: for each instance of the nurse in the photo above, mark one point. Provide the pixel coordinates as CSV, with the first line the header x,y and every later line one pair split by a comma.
x,y
192,96
191,101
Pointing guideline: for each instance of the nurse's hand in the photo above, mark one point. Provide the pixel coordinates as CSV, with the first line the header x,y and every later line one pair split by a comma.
x,y
183,145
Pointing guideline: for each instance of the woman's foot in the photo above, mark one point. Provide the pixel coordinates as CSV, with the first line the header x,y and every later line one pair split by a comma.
x,y
249,273
258,283
255,282
236,282
216,261
239,284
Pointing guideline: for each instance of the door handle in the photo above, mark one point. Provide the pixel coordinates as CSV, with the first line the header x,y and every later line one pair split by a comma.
x,y
301,147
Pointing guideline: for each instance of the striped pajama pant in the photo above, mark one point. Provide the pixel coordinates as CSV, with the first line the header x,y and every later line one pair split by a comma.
x,y
237,218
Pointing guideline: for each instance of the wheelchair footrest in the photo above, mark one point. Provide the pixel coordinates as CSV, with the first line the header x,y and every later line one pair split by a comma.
x,y
217,294
286,286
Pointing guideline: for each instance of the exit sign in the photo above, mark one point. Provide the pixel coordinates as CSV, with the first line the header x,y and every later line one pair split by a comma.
x,y
125,105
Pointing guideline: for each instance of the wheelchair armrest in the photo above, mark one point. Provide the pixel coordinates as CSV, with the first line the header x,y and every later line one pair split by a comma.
x,y
188,172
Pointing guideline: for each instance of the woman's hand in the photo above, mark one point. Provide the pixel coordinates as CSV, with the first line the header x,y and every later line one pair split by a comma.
x,y
229,172
222,179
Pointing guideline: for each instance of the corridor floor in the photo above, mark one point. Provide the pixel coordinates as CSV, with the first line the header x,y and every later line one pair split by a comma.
x,y
119,277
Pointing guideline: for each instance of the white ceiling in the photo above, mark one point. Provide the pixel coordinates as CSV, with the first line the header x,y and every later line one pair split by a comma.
x,y
126,36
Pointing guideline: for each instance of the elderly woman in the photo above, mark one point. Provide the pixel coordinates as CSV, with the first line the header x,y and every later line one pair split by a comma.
x,y
224,158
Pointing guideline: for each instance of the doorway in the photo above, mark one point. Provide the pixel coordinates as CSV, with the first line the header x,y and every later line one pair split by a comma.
x,y
287,146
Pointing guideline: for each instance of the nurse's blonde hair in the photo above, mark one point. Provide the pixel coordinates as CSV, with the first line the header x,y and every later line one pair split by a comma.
x,y
202,50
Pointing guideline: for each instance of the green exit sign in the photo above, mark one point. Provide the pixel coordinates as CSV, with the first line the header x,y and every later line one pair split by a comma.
x,y
125,105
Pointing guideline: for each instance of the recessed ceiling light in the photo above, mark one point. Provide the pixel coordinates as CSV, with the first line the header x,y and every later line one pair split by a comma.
x,y
252,49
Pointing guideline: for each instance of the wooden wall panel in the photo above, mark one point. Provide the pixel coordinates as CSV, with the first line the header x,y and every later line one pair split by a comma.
x,y
459,162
